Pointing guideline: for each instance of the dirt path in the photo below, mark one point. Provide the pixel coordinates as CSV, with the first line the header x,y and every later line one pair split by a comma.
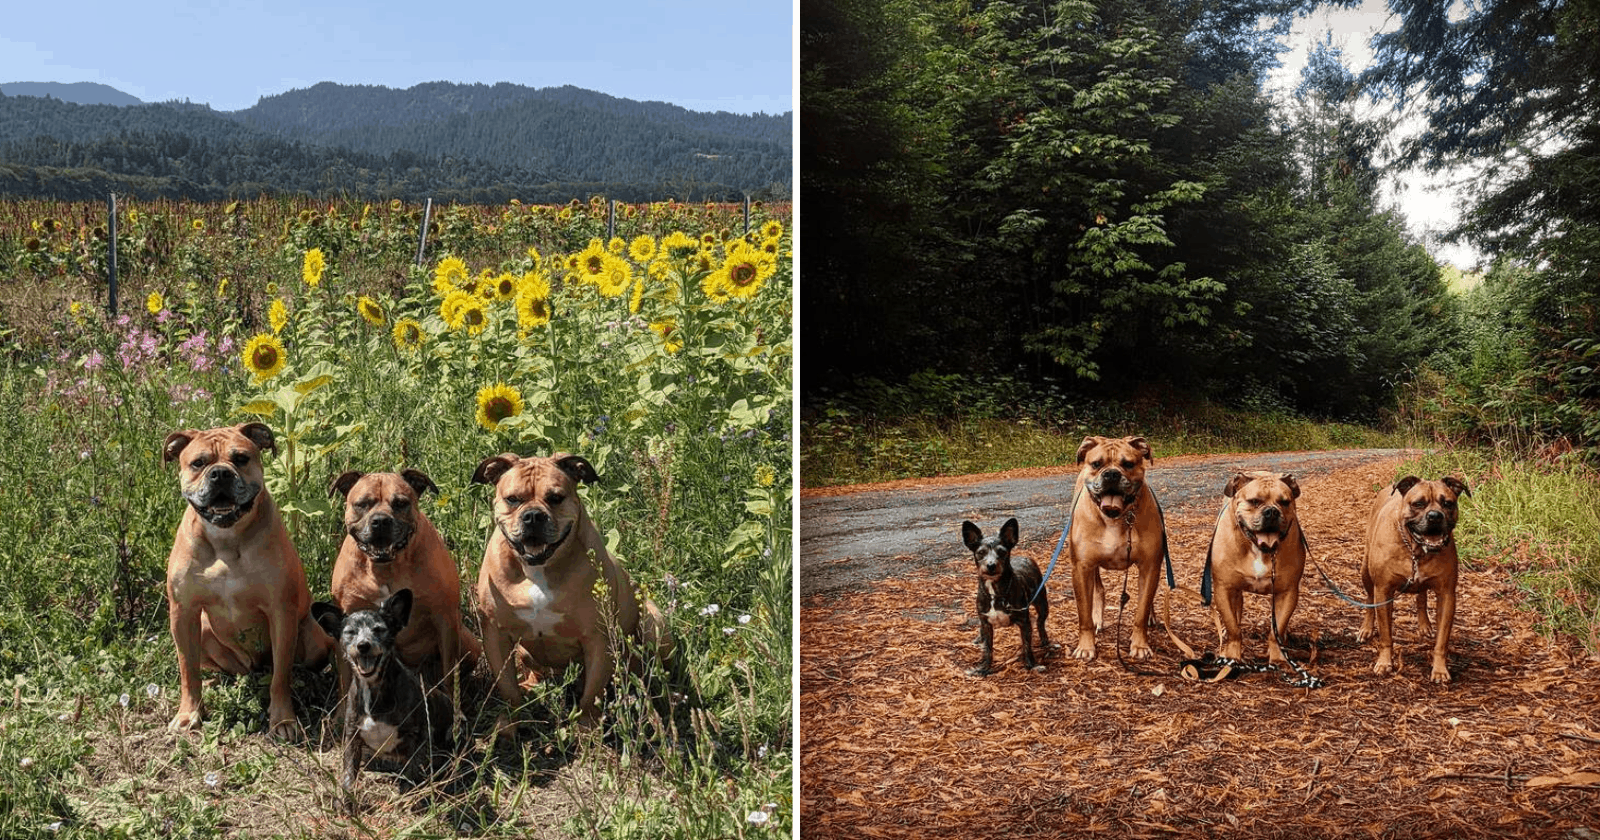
x,y
896,741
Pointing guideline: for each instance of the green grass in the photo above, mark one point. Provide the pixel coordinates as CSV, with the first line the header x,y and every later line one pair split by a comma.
x,y
842,445
689,432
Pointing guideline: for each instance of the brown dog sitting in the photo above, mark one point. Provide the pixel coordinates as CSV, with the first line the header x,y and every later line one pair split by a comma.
x,y
1259,548
537,586
235,587
1115,524
1411,548
389,545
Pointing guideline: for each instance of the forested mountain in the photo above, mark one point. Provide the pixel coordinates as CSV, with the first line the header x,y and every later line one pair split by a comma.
x,y
81,93
447,141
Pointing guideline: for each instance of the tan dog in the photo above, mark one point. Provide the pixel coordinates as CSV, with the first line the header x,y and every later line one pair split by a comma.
x,y
1115,524
536,587
1411,548
1258,548
389,545
235,587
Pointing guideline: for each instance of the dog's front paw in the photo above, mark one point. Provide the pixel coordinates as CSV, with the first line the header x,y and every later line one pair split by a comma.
x,y
185,721
288,731
1383,666
980,671
1084,652
1038,669
1140,651
1440,675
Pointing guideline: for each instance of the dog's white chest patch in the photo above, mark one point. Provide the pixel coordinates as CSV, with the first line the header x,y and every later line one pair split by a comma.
x,y
538,612
994,615
382,737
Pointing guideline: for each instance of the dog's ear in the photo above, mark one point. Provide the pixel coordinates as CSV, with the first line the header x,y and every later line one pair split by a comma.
x,y
491,468
259,434
971,535
328,617
1143,447
419,481
344,482
174,444
576,466
1456,485
1294,486
1404,485
1008,533
1233,485
396,610
1089,443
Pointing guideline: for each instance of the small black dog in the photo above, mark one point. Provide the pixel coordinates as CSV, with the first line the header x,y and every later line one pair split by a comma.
x,y
1005,586
386,711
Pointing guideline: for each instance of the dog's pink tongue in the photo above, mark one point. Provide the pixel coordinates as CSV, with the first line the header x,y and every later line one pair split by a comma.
x,y
1268,540
1111,505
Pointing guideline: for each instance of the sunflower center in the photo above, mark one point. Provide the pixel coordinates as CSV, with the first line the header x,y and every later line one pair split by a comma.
x,y
742,274
473,316
265,357
593,265
499,408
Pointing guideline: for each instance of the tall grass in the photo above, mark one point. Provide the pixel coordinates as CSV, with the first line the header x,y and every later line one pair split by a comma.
x,y
677,394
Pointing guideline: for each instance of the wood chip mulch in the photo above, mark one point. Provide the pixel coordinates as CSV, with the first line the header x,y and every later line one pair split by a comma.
x,y
897,741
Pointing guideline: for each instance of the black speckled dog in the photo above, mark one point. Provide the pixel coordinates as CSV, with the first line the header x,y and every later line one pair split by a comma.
x,y
1005,586
386,712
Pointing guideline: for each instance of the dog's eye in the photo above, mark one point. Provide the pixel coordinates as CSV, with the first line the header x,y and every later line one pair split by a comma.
x,y
400,503
514,501
240,459
1448,503
1097,463
361,504
197,463
1129,464
555,499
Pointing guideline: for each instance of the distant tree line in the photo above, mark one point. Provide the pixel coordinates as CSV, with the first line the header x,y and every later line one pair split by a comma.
x,y
1102,194
453,142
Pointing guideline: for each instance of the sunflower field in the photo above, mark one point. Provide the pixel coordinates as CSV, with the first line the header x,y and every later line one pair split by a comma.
x,y
653,339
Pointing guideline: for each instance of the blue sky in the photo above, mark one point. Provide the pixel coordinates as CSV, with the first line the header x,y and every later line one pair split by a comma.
x,y
706,56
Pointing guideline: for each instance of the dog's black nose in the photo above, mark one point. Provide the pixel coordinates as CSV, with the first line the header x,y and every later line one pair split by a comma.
x,y
1270,517
381,525
532,518
1435,517
364,646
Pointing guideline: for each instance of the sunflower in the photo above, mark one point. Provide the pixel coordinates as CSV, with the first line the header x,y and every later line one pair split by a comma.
x,y
533,254
504,286
473,316
615,277
592,261
765,475
772,230
450,273
278,315
642,248
715,287
371,311
155,303
312,266
222,288
667,330
533,310
745,271
263,356
198,224
450,308
408,334
534,283
616,245
496,404
637,297
679,245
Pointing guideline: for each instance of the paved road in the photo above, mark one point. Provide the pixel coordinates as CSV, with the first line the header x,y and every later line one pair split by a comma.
x,y
853,540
